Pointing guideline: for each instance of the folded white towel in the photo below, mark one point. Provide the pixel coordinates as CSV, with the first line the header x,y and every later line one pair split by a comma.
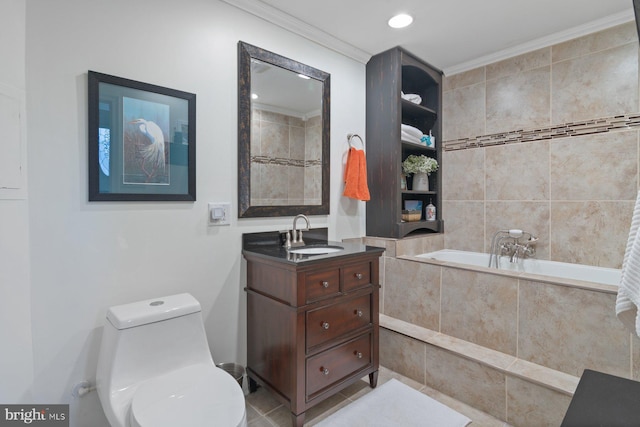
x,y
410,138
411,130
412,97
628,299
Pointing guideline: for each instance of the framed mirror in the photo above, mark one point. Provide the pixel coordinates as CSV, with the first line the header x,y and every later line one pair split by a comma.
x,y
283,135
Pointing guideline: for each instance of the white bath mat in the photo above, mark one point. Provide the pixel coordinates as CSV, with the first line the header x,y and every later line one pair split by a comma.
x,y
395,404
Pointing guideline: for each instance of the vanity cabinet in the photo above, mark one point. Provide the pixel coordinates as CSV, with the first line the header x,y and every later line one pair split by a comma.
x,y
312,327
389,74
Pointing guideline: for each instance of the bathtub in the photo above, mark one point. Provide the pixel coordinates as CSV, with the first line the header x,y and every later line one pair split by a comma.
x,y
562,270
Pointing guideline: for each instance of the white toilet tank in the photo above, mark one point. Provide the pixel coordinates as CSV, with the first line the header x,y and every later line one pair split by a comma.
x,y
146,339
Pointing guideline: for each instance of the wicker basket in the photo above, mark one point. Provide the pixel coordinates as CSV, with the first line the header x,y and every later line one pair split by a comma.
x,y
411,216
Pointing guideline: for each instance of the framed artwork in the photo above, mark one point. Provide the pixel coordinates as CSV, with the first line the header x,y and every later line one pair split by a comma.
x,y
142,144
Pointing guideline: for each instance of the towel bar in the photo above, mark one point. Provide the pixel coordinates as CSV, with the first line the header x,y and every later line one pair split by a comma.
x,y
350,136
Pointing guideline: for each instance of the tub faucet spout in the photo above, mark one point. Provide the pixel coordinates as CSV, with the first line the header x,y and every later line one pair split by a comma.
x,y
507,243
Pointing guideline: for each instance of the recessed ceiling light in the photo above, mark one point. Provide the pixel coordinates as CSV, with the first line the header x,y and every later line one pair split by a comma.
x,y
400,21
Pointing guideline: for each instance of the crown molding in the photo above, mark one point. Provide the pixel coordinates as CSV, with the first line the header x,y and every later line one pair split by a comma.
x,y
546,41
301,28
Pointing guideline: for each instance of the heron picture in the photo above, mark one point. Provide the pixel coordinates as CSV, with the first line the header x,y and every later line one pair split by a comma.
x,y
145,142
142,141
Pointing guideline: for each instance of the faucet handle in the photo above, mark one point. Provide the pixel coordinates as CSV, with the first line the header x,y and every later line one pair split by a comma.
x,y
287,238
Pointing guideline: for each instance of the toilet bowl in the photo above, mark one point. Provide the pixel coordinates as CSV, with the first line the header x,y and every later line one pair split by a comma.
x,y
155,368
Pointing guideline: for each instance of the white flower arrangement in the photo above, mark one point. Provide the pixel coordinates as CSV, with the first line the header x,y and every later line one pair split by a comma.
x,y
418,164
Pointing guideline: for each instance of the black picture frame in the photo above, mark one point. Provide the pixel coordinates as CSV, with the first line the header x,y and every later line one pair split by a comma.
x,y
142,144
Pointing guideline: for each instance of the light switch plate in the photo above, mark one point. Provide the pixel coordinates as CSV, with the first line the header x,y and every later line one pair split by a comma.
x,y
219,213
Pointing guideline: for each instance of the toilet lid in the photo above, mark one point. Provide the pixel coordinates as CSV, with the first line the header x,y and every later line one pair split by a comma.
x,y
199,395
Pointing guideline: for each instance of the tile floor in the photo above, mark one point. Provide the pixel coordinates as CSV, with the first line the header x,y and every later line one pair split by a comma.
x,y
264,410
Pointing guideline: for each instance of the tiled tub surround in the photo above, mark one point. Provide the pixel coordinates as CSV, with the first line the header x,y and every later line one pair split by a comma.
x,y
286,165
510,344
576,193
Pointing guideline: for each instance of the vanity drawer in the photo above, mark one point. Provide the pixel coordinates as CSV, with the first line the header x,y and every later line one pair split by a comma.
x,y
333,365
356,276
326,323
322,284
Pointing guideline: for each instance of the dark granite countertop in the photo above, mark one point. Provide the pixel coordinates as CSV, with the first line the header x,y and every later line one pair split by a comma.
x,y
269,245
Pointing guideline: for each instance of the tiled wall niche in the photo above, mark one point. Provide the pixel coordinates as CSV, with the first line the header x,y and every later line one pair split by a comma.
x,y
502,167
286,164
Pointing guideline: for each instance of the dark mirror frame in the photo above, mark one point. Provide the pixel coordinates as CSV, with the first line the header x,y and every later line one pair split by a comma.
x,y
245,53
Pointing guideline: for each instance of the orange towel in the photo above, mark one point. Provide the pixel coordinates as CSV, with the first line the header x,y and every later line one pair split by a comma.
x,y
355,176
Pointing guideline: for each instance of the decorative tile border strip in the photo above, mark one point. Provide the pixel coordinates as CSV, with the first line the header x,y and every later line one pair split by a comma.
x,y
565,130
266,160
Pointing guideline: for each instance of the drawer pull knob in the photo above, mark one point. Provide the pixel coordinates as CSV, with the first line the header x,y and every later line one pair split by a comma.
x,y
325,371
358,276
325,325
325,284
358,313
358,354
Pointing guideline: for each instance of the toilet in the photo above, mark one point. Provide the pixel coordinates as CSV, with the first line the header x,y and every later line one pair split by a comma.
x,y
155,368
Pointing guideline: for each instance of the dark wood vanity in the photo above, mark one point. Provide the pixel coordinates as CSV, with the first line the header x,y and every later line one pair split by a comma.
x,y
312,322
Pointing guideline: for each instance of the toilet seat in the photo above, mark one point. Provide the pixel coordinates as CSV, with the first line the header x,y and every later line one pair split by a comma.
x,y
199,395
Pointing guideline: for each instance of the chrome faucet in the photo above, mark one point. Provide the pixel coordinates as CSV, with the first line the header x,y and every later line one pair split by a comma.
x,y
294,237
507,242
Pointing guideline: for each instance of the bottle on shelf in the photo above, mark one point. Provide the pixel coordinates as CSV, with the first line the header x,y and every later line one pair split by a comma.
x,y
431,211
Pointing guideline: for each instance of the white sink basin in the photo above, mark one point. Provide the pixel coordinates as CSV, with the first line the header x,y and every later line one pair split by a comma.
x,y
316,250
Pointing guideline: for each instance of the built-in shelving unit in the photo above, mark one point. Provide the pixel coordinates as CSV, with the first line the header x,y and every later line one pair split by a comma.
x,y
388,75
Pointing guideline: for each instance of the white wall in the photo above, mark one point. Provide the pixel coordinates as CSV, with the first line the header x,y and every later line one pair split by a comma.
x,y
16,357
85,256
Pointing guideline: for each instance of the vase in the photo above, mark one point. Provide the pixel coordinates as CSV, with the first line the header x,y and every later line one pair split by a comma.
x,y
421,181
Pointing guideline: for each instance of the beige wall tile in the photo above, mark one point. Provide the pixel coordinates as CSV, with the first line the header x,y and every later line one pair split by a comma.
x,y
313,184
529,405
274,140
463,176
269,116
412,292
601,167
519,101
464,226
463,112
532,217
591,43
518,171
570,329
296,183
389,245
480,308
314,121
591,232
415,245
274,182
598,85
468,381
466,78
517,64
296,143
255,135
403,355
